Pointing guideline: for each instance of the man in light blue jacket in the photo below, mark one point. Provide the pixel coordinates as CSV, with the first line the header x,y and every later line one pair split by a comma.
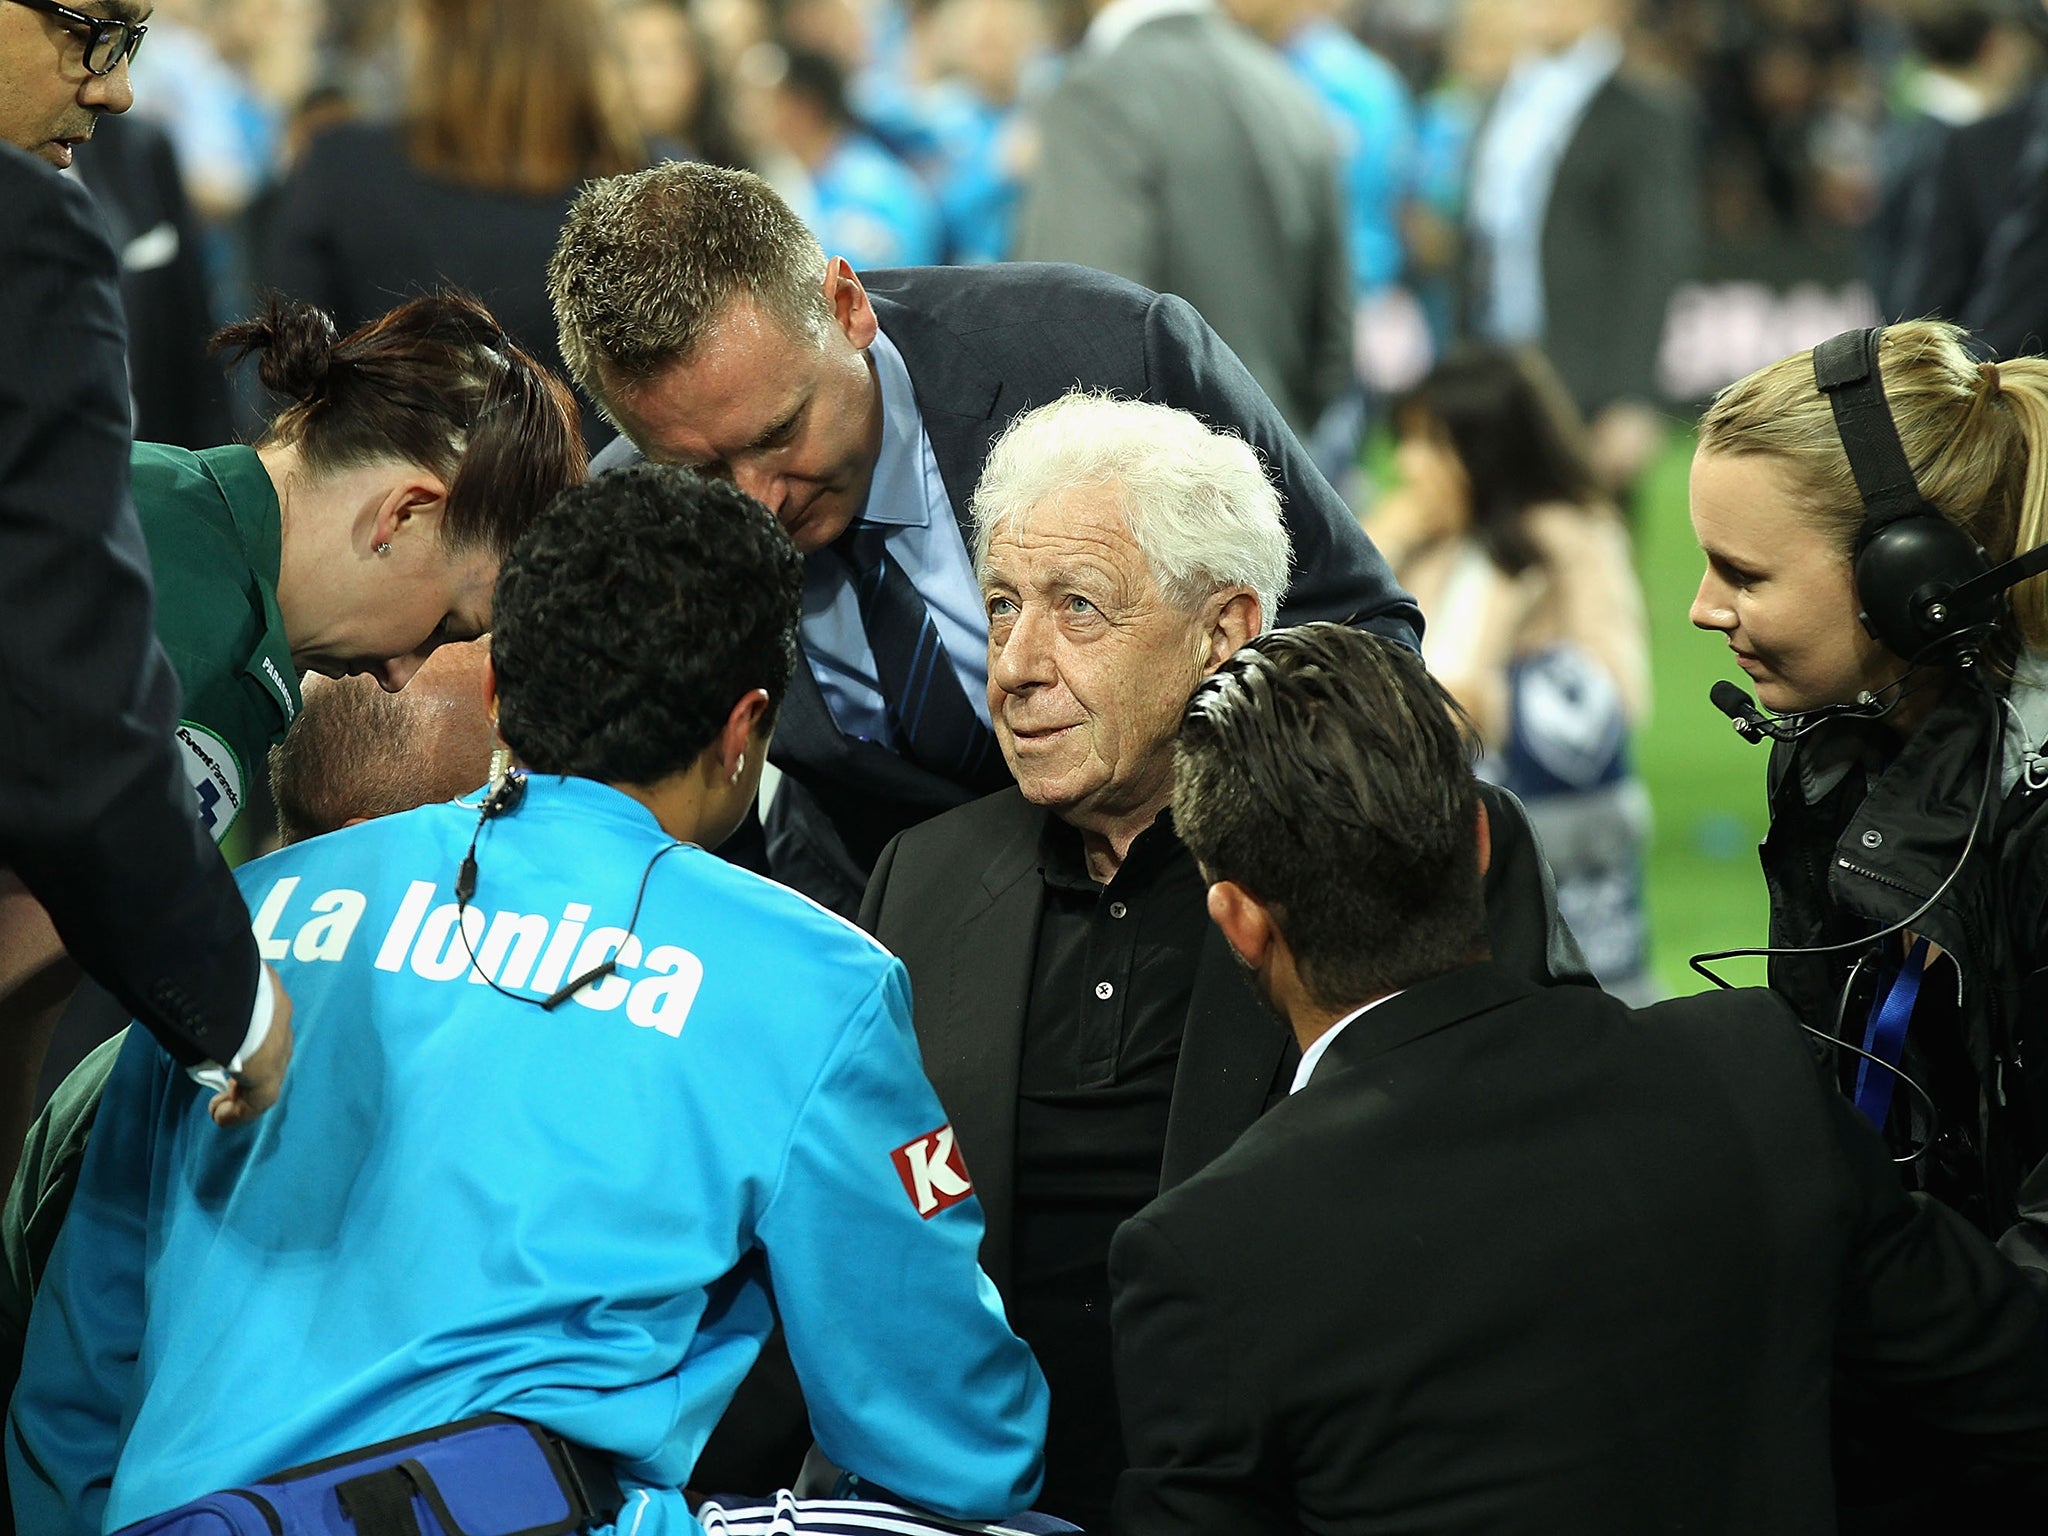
x,y
573,1096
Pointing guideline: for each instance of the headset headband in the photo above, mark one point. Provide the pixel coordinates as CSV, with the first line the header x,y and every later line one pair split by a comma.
x,y
1845,369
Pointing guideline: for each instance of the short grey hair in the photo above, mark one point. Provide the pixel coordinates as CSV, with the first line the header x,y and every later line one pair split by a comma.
x,y
1197,501
648,262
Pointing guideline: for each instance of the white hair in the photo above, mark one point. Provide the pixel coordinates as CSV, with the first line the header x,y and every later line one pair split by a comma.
x,y
1197,501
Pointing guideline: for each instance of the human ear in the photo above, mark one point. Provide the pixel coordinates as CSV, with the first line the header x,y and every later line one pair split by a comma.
x,y
741,733
850,306
413,503
1246,925
1237,619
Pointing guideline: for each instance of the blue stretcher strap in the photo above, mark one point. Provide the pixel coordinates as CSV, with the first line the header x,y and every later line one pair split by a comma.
x,y
1898,988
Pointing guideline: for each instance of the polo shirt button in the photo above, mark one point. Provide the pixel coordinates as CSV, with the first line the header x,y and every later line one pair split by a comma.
x,y
1104,990
1117,909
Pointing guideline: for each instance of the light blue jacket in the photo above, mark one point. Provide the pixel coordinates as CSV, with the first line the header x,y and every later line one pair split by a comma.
x,y
465,1204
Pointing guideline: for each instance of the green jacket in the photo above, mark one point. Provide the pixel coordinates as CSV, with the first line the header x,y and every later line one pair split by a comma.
x,y
214,531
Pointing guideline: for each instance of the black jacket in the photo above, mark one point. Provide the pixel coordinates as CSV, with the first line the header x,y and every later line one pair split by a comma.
x,y
1858,841
1531,1263
96,817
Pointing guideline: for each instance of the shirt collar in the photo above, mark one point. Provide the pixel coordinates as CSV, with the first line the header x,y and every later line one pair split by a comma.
x,y
896,491
259,525
1120,18
1313,1056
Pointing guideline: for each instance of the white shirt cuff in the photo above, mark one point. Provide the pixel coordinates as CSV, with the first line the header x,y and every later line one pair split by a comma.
x,y
211,1074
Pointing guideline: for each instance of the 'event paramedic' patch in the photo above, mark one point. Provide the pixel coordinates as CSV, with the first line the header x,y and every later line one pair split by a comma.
x,y
933,1172
214,773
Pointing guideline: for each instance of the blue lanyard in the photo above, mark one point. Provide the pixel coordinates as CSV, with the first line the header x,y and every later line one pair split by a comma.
x,y
1898,988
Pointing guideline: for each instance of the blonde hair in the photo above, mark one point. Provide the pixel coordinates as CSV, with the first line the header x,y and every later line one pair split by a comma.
x,y
1975,434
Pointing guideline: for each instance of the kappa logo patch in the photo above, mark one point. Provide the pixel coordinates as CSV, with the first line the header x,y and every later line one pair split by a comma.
x,y
214,773
934,1174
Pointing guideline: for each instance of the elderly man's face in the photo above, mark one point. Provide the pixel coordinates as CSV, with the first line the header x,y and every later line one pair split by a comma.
x,y
1089,665
49,101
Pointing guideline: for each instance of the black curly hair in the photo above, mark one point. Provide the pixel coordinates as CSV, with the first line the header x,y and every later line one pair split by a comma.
x,y
632,617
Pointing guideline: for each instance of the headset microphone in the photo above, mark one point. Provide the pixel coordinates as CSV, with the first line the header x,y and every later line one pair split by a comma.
x,y
1750,723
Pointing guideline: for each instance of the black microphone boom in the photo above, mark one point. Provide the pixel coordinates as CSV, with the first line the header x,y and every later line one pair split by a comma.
x,y
1741,711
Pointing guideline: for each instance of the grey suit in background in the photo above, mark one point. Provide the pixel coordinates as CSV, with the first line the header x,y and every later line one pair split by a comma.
x,y
1187,158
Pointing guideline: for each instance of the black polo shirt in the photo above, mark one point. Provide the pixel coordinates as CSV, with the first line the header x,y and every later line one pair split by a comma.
x,y
1110,988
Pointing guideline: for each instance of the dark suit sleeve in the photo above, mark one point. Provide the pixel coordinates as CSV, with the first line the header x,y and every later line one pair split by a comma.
x,y
1194,1431
1337,574
96,818
1933,1315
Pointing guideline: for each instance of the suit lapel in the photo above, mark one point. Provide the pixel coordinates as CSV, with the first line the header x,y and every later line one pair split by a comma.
x,y
956,394
1232,1054
973,1042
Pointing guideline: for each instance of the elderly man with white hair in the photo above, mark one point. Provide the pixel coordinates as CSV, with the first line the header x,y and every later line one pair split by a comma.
x,y
1088,1031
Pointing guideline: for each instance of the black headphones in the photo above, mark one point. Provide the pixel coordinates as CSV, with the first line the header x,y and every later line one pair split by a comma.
x,y
1923,587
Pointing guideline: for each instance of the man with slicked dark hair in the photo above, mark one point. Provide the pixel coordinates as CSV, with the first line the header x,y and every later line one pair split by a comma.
x,y
1507,1259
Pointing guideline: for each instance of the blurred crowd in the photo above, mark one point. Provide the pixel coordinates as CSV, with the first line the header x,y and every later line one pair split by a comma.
x,y
309,145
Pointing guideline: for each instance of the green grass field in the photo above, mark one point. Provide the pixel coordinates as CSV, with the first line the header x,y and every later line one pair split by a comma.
x,y
1706,783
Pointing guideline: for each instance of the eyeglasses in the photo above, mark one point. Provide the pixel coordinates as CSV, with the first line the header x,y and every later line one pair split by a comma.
x,y
107,42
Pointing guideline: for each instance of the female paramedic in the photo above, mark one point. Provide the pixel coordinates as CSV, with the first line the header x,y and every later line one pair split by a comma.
x,y
1855,505
364,528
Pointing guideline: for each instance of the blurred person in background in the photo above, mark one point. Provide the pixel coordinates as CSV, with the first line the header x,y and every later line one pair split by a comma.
x,y
1583,219
1536,624
1969,58
1481,44
179,394
674,83
1372,123
1978,237
1371,117
987,55
510,104
863,200
1182,153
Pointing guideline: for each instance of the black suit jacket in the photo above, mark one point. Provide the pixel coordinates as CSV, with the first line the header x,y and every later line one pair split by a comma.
x,y
982,345
1521,1261
96,818
959,899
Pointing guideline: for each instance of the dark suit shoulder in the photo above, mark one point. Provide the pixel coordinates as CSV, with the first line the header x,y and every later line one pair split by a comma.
x,y
977,300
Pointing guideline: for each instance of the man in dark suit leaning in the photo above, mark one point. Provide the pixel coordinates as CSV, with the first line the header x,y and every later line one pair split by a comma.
x,y
1508,1261
705,320
1086,1029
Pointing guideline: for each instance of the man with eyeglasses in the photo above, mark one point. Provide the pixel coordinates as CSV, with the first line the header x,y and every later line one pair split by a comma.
x,y
61,68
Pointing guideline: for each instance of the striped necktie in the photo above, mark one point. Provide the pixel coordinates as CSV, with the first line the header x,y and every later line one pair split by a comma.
x,y
936,725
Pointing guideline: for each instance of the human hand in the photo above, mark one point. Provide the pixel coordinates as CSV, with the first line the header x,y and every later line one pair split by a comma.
x,y
256,1087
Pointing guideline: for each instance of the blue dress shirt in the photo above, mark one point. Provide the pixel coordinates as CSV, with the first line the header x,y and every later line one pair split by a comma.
x,y
907,497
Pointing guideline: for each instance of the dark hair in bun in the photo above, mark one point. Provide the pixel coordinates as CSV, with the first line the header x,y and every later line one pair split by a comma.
x,y
294,344
435,384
